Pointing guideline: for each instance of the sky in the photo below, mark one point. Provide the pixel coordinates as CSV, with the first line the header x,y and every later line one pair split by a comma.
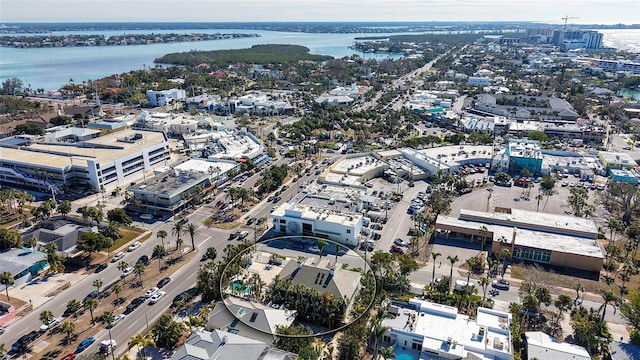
x,y
546,11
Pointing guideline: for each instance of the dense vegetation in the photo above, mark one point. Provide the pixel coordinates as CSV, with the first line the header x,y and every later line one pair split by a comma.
x,y
257,54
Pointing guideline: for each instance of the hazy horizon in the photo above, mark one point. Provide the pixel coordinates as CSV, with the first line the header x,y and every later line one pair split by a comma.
x,y
544,11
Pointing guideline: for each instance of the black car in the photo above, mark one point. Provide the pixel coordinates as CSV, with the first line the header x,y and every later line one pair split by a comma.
x,y
92,295
251,221
163,282
134,304
186,295
24,340
101,267
144,259
183,221
234,235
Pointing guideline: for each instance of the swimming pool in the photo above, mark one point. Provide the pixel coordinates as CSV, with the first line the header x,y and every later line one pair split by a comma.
x,y
405,354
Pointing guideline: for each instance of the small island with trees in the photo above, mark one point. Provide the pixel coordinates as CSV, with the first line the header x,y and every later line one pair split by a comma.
x,y
77,40
257,54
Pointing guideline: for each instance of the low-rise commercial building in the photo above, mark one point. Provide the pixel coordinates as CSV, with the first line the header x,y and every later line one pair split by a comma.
x,y
425,330
524,154
163,97
561,241
343,227
23,264
544,347
106,161
526,107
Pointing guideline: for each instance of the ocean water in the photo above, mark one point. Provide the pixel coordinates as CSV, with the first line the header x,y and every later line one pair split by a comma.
x,y
51,68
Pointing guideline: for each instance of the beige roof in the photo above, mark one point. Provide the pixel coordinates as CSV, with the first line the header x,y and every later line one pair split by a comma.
x,y
339,284
52,155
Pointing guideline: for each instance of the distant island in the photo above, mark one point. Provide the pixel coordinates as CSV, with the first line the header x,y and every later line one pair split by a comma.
x,y
257,54
41,41
305,27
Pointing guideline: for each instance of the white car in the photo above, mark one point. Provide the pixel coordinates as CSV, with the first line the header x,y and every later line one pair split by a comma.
x,y
53,322
151,292
157,296
134,246
117,257
126,272
117,319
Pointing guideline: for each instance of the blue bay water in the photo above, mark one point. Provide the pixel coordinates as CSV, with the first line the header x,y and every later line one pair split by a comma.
x,y
51,68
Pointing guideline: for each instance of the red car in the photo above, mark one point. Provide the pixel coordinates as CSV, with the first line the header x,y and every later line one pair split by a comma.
x,y
397,249
70,356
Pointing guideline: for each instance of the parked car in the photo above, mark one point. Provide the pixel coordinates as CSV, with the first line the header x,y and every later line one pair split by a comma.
x,y
134,304
117,257
126,272
144,259
243,234
92,295
84,344
100,267
134,246
163,282
500,284
401,242
397,249
51,324
151,292
117,319
69,356
157,296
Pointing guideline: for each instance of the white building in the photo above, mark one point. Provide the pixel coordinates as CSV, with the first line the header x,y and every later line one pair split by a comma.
x,y
544,347
111,160
296,219
163,97
259,104
425,330
478,81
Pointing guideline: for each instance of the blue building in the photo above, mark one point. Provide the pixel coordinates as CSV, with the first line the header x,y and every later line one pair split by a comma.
x,y
626,175
524,154
24,264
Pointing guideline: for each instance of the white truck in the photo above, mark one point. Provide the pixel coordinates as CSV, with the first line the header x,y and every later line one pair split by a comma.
x,y
108,346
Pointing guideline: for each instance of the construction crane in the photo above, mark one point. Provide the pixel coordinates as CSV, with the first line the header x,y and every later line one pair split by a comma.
x,y
565,18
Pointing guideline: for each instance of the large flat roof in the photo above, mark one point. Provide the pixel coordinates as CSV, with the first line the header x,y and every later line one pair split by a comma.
x,y
60,156
16,260
446,331
345,218
535,220
530,238
205,166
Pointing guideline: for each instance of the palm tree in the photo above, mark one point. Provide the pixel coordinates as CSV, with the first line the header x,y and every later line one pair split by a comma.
x,y
177,229
434,256
608,297
503,254
138,269
91,304
614,225
321,243
378,332
122,265
158,251
578,287
179,243
142,341
387,353
162,234
108,318
470,263
64,208
3,349
73,306
484,283
97,283
192,230
117,288
452,260
483,234
68,328
46,316
31,243
6,279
